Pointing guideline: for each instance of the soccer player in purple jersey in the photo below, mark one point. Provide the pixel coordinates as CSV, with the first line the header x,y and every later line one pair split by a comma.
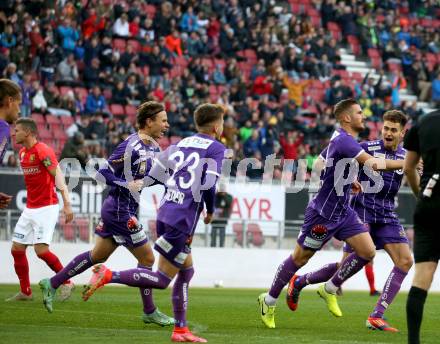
x,y
328,214
10,101
127,167
376,210
194,165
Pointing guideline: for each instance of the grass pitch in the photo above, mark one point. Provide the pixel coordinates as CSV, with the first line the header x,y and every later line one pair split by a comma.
x,y
220,315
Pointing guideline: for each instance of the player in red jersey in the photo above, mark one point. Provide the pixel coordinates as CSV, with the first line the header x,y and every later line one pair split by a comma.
x,y
10,100
37,222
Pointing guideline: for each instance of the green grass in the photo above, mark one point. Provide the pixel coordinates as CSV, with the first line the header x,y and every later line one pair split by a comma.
x,y
220,315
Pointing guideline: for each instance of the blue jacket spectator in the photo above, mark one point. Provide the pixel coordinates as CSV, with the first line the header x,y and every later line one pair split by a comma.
x,y
68,35
95,101
8,39
189,21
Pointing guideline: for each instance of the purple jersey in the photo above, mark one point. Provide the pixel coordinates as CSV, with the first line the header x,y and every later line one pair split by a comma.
x,y
190,161
378,207
333,196
4,137
135,157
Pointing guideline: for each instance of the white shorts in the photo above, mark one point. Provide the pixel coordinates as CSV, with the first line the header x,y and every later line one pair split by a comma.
x,y
36,225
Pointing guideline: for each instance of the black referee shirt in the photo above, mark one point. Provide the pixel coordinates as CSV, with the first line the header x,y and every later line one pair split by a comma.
x,y
424,138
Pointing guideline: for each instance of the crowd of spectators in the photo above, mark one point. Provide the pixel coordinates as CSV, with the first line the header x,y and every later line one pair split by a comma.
x,y
275,65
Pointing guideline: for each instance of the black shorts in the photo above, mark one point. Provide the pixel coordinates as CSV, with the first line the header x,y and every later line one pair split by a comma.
x,y
427,231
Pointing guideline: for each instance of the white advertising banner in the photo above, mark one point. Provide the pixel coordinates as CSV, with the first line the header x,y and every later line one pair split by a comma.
x,y
253,202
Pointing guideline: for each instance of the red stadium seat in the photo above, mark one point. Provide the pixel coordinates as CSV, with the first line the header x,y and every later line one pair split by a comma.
x,y
174,139
150,10
82,93
38,118
53,122
163,142
117,110
373,53
130,110
67,121
119,44
68,231
135,44
83,228
65,89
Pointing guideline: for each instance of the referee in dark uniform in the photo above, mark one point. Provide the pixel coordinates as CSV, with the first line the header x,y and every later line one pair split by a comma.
x,y
423,141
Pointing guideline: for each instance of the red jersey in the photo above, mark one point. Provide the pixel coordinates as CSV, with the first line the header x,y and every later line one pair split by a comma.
x,y
36,163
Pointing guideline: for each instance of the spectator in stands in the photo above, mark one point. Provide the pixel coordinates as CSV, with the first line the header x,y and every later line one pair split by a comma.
x,y
39,103
11,73
223,208
121,27
68,72
49,58
12,161
296,88
8,38
92,74
97,129
252,144
69,36
398,83
174,43
26,96
95,102
189,21
75,149
436,91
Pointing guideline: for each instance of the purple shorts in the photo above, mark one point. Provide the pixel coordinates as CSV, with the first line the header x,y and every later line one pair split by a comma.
x,y
173,244
317,230
116,227
384,233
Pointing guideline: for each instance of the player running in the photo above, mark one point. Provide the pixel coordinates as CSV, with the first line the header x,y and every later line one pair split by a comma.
x,y
194,165
37,221
376,210
127,166
328,215
10,100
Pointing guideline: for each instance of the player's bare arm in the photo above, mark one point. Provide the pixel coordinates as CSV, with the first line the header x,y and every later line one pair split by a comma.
x,y
411,164
4,200
378,164
61,185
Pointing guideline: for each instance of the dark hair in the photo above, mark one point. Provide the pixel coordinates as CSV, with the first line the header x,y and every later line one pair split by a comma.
x,y
148,110
29,124
396,116
206,114
343,106
8,88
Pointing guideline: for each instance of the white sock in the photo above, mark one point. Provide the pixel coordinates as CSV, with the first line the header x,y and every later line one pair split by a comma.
x,y
270,301
330,288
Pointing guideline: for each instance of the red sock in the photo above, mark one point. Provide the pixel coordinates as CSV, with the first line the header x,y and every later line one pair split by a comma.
x,y
22,270
370,276
180,329
52,261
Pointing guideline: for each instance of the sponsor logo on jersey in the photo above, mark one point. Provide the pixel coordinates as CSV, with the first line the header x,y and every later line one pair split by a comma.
x,y
18,235
31,170
374,148
119,239
195,142
180,258
164,244
312,243
138,237
379,155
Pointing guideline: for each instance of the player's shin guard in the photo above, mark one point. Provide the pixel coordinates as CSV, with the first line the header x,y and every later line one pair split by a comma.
x,y
76,266
414,313
390,290
147,295
21,267
141,278
350,266
285,272
180,296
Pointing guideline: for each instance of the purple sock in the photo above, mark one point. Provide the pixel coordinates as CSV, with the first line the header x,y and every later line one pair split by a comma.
x,y
147,295
390,290
141,278
352,264
76,266
180,296
283,275
317,276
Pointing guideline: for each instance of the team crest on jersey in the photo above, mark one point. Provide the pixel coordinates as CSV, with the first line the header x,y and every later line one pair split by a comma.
x,y
100,226
32,158
47,162
319,232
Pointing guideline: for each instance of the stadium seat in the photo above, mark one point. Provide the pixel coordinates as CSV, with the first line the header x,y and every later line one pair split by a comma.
x,y
130,111
82,93
150,10
38,118
255,235
64,90
174,139
373,53
53,122
135,44
66,121
117,109
237,228
152,232
68,231
119,44
82,224
163,142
